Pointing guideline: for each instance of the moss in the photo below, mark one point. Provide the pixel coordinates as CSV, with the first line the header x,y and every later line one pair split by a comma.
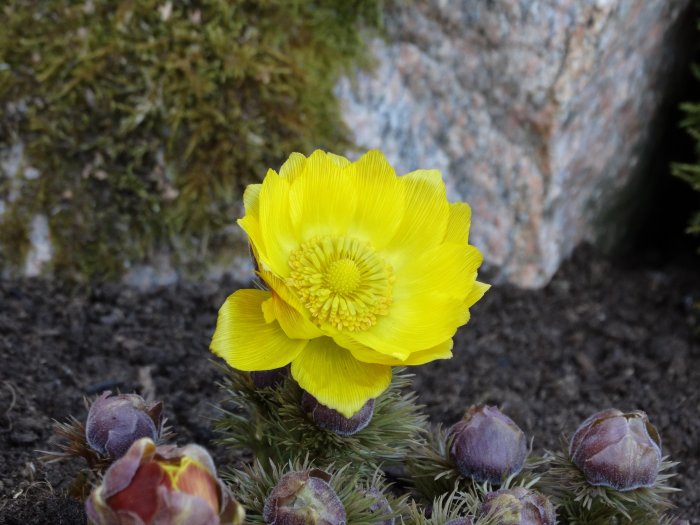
x,y
145,118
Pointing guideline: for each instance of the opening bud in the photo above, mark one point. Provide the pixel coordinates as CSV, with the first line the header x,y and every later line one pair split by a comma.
x,y
518,506
329,419
304,498
164,484
617,450
115,422
487,445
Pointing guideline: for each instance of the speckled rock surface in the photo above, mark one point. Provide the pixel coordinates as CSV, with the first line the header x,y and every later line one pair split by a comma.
x,y
538,112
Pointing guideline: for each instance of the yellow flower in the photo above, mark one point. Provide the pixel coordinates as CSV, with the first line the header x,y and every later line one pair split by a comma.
x,y
365,270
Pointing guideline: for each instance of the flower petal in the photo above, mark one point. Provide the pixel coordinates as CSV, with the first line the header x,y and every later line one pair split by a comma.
x,y
251,200
280,288
180,507
380,207
367,355
440,351
119,475
477,292
140,497
251,221
251,226
322,200
275,224
445,270
414,324
458,223
195,480
293,166
426,214
245,341
338,159
430,295
333,376
295,325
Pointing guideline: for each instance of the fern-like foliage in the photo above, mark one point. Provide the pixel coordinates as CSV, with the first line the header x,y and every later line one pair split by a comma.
x,y
433,473
273,425
357,491
580,503
691,172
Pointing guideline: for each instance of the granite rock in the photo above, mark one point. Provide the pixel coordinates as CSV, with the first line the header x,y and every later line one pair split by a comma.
x,y
537,112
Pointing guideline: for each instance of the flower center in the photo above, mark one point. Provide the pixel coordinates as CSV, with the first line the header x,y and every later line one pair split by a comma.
x,y
343,276
341,281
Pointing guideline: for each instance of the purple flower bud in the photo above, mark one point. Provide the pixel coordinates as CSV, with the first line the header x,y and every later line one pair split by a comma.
x,y
329,419
617,450
487,445
269,378
304,498
380,505
519,506
115,422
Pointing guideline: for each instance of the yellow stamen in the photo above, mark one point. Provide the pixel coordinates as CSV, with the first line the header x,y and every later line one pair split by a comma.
x,y
341,281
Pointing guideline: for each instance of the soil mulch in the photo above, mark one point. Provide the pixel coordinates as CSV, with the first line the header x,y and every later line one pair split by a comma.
x,y
600,335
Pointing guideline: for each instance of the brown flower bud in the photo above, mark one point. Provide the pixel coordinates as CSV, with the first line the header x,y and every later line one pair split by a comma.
x,y
304,498
164,484
115,422
487,445
617,450
519,506
329,419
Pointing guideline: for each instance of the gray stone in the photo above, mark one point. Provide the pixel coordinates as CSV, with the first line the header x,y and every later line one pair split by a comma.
x,y
537,112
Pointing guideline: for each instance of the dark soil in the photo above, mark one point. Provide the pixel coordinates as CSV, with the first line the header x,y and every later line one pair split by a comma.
x,y
600,335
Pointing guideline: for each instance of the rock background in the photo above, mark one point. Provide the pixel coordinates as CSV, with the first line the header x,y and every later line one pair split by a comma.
x,y
542,114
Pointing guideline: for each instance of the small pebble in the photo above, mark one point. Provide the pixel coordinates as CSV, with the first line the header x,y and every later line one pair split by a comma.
x,y
23,437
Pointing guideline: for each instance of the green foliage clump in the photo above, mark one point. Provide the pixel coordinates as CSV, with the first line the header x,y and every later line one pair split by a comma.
x,y
357,491
580,503
691,172
272,424
145,118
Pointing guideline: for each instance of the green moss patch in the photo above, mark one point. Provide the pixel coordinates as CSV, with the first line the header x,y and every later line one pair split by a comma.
x,y
146,118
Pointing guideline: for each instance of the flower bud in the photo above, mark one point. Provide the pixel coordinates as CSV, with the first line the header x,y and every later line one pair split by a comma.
x,y
269,378
164,484
329,419
304,498
617,450
487,445
519,506
115,422
380,505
